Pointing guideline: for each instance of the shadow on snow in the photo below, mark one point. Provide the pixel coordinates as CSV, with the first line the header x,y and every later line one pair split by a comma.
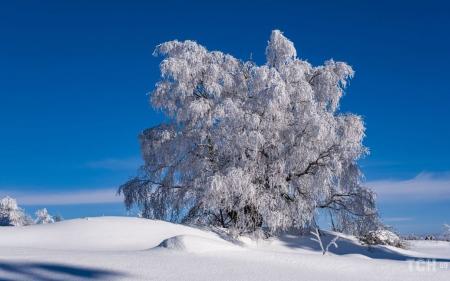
x,y
351,247
42,271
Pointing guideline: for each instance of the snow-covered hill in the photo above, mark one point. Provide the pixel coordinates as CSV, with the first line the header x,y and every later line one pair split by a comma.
x,y
121,248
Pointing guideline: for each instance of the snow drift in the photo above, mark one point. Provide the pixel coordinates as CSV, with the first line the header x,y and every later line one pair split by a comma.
x,y
124,248
101,233
196,244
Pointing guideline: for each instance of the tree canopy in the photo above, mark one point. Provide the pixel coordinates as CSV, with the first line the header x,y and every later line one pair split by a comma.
x,y
251,146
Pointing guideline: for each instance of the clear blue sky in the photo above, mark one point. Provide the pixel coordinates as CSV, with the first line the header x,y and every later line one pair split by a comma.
x,y
74,78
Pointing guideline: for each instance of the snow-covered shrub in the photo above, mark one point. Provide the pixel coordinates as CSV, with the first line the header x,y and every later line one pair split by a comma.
x,y
58,218
430,237
43,217
248,147
382,237
11,214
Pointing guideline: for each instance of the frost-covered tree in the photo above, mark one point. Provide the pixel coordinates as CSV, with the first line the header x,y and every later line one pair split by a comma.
x,y
43,217
248,146
446,231
11,214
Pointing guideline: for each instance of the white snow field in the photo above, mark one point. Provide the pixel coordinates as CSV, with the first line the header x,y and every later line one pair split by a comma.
x,y
124,248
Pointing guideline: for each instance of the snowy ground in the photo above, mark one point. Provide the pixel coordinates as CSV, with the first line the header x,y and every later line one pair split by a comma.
x,y
120,248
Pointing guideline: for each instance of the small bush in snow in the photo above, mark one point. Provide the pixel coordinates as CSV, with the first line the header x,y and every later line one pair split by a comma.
x,y
58,218
430,237
43,217
382,237
11,214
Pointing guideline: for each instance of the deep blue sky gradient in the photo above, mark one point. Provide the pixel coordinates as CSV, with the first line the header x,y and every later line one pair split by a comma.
x,y
74,78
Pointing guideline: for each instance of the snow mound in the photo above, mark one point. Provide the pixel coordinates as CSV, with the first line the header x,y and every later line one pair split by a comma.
x,y
99,233
196,244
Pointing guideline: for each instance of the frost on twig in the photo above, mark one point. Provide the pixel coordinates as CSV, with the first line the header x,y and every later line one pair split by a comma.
x,y
318,239
332,242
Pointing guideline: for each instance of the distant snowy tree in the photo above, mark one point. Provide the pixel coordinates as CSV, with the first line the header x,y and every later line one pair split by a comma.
x,y
249,146
43,217
447,232
11,214
58,218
